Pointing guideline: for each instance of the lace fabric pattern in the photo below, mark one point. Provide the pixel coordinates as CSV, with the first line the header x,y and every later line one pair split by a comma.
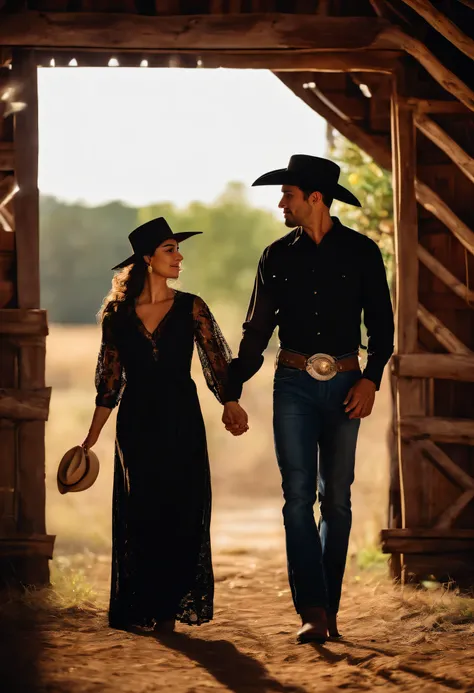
x,y
214,352
109,374
161,549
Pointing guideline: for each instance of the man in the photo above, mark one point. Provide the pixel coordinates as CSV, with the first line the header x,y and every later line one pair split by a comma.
x,y
314,283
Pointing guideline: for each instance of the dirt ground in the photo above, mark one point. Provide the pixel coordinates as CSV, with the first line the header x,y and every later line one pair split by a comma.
x,y
394,639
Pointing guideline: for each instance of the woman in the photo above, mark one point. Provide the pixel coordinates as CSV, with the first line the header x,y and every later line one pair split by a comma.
x,y
161,555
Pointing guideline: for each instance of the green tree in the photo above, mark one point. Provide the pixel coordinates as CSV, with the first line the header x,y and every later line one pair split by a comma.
x,y
79,245
373,186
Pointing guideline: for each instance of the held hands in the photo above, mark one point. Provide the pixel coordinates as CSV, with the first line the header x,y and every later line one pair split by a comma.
x,y
235,418
360,399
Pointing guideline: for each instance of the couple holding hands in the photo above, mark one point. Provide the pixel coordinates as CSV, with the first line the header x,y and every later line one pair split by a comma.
x,y
313,283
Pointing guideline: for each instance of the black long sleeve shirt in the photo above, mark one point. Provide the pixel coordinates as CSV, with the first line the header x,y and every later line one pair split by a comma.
x,y
316,294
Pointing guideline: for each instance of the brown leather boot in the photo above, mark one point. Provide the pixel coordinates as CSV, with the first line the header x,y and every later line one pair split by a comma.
x,y
314,626
332,626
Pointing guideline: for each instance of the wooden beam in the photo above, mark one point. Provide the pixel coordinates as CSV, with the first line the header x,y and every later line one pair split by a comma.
x,y
449,146
434,204
445,464
25,405
452,512
410,394
438,429
439,330
440,271
437,70
430,541
117,31
443,25
322,105
7,156
379,152
377,61
443,366
20,322
437,106
26,201
28,545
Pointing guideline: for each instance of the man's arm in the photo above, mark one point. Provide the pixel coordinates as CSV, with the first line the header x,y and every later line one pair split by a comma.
x,y
257,330
378,315
378,319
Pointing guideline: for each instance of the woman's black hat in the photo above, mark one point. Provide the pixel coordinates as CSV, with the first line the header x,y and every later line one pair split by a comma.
x,y
146,238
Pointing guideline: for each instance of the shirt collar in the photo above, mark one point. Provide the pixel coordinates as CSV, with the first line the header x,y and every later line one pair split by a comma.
x,y
299,233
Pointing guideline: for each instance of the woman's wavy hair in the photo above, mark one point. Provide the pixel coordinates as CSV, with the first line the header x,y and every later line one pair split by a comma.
x,y
127,285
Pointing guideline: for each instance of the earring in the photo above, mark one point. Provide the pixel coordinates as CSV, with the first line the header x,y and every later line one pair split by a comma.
x,y
149,269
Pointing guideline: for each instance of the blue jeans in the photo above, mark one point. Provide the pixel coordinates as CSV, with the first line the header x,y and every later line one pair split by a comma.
x,y
313,434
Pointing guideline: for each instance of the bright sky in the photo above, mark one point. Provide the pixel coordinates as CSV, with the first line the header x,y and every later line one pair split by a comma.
x,y
146,135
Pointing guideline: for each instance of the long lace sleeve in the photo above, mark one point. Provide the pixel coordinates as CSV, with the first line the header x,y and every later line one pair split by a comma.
x,y
213,350
109,374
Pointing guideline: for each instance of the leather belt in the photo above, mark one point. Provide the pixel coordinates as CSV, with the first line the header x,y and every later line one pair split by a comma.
x,y
318,366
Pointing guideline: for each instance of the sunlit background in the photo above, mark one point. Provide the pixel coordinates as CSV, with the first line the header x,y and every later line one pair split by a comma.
x,y
117,147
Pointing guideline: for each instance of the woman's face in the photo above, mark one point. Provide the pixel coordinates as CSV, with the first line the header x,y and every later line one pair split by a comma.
x,y
166,260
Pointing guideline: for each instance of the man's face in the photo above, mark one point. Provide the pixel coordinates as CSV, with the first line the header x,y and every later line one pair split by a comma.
x,y
296,209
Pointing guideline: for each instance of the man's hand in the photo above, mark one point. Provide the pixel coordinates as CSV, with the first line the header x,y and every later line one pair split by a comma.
x,y
235,418
360,399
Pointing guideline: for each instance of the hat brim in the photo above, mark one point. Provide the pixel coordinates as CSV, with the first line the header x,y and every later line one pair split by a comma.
x,y
282,176
77,478
178,237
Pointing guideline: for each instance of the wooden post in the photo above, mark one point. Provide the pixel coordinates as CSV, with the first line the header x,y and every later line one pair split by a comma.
x,y
24,401
26,204
409,391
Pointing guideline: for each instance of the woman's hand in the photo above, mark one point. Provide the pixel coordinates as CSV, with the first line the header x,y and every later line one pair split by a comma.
x,y
90,440
235,418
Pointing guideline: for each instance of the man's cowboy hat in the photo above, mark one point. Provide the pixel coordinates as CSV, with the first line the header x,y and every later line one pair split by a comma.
x,y
146,238
77,470
310,173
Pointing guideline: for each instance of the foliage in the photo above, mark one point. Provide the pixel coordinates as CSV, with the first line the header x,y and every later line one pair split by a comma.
x,y
372,185
80,244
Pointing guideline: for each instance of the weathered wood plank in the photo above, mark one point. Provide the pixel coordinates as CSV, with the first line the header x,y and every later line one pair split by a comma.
x,y
127,31
26,201
437,106
412,545
434,204
445,464
375,61
7,156
410,394
448,80
430,533
322,105
23,322
440,271
439,330
27,545
447,518
444,366
446,143
438,429
25,405
443,25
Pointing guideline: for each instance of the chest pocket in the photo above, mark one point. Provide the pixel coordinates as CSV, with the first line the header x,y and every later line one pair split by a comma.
x,y
342,285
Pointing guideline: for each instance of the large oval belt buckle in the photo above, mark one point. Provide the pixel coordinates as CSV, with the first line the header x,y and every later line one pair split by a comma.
x,y
321,366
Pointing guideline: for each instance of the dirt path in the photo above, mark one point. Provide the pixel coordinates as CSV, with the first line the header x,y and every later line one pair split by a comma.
x,y
394,640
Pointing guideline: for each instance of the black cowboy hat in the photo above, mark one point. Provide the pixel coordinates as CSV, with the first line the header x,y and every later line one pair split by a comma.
x,y
146,238
310,173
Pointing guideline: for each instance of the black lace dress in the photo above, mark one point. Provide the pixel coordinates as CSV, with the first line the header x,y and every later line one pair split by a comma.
x,y
161,554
